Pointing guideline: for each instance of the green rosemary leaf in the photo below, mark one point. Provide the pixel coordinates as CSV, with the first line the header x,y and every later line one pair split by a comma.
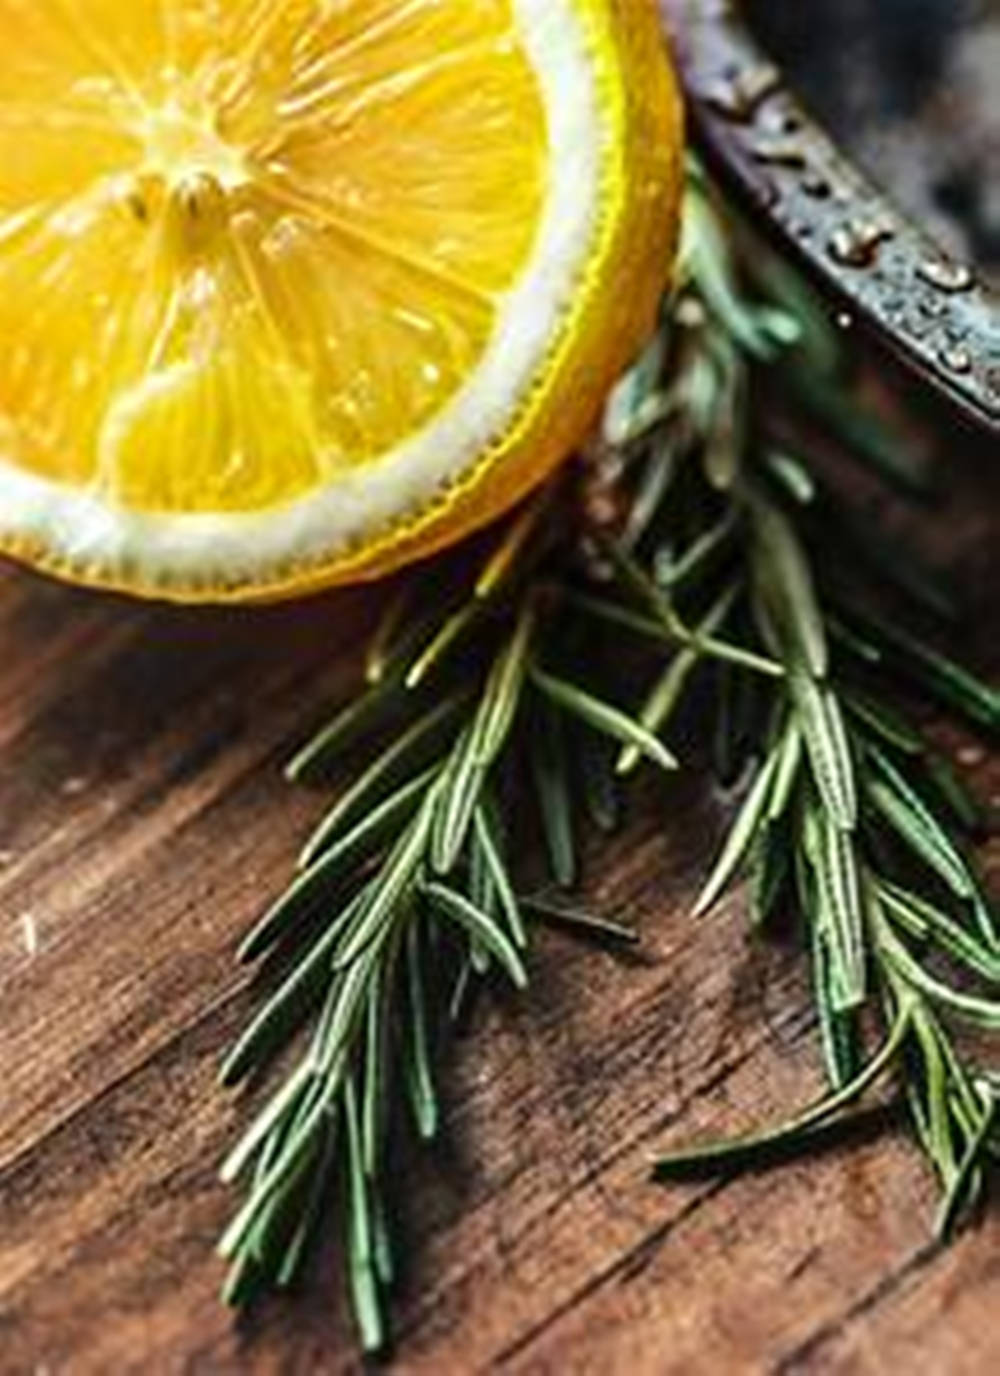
x,y
243,1284
385,1267
360,1250
459,994
820,343
302,897
508,556
582,923
412,750
822,725
915,824
915,916
279,1109
394,615
977,1012
656,598
985,911
700,557
308,1212
477,751
601,796
769,867
420,1080
444,639
783,328
488,843
480,954
964,1098
481,927
355,846
277,1183
787,771
462,784
787,584
360,719
889,726
654,486
837,1033
628,407
602,717
373,1096
838,876
945,783
861,648
502,695
661,703
397,877
935,673
739,1152
740,836
273,1144
961,1188
553,788
927,923
293,1001
939,1127
667,693
615,614
729,747
707,259
265,1242
918,1113
479,878
936,833
793,475
725,443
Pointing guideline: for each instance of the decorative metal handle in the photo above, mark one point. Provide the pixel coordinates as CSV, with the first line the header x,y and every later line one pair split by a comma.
x,y
930,309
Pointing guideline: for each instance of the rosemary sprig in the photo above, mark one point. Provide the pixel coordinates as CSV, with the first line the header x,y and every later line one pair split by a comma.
x,y
404,898
685,549
852,821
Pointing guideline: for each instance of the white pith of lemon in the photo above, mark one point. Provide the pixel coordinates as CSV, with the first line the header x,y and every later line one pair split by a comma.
x,y
292,294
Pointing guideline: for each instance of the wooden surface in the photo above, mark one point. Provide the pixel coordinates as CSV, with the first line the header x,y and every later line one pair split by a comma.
x,y
142,822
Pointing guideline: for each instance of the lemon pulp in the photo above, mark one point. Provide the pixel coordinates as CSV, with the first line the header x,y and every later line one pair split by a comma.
x,y
218,199
251,251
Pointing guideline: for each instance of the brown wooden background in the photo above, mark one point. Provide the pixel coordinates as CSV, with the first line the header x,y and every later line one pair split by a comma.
x,y
142,822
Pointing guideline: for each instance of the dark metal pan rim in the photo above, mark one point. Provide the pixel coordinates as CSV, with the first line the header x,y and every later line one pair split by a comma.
x,y
932,310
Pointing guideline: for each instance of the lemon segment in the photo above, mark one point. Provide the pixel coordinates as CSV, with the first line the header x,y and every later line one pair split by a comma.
x,y
291,293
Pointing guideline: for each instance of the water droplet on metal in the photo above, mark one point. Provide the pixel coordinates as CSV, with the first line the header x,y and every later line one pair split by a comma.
x,y
946,276
815,184
957,360
786,152
856,243
739,95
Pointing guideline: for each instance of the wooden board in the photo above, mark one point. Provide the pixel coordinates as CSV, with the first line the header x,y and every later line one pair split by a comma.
x,y
142,823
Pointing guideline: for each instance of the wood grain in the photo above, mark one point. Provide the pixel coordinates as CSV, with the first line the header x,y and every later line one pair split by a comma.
x,y
142,821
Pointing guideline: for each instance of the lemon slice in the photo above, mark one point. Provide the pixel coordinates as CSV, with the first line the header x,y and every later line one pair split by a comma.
x,y
293,291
